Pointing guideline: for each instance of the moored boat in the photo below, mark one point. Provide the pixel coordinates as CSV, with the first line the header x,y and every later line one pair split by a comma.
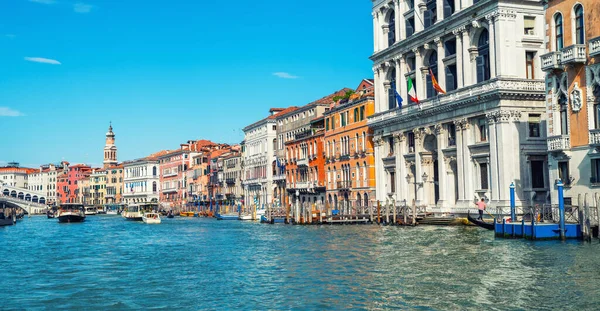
x,y
246,217
480,223
8,217
151,218
170,214
70,212
227,216
186,214
90,210
50,214
133,212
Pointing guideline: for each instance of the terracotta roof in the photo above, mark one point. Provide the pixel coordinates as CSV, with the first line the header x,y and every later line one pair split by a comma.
x,y
158,154
329,98
271,117
25,170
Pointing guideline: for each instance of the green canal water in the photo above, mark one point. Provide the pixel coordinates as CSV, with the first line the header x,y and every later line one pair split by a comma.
x,y
108,263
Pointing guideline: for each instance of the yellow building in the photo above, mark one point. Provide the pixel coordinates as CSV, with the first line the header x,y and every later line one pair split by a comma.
x,y
114,184
98,187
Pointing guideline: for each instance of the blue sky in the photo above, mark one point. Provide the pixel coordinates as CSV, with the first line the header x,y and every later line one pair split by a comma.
x,y
165,72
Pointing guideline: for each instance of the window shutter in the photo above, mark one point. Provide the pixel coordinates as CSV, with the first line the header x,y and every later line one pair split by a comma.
x,y
480,61
427,18
447,8
430,90
391,99
449,80
409,28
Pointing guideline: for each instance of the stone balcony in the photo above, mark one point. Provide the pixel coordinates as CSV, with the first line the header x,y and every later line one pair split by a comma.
x,y
595,137
279,177
559,143
594,46
453,100
573,54
551,61
303,162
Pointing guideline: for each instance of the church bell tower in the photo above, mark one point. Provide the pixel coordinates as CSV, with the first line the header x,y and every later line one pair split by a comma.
x,y
110,150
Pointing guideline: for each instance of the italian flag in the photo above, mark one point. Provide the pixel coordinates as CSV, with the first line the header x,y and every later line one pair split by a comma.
x,y
412,93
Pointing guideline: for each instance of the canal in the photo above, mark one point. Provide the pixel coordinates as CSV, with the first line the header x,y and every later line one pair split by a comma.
x,y
194,263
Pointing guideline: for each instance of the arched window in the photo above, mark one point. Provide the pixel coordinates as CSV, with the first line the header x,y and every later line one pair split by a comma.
x,y
154,170
564,114
356,115
433,69
558,31
579,27
483,60
392,28
391,93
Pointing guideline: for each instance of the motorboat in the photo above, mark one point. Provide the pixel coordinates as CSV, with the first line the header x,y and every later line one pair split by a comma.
x,y
246,217
136,212
133,212
151,218
50,214
71,212
8,217
227,216
91,210
170,214
112,209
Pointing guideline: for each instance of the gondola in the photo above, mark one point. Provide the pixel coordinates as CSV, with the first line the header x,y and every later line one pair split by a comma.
x,y
482,224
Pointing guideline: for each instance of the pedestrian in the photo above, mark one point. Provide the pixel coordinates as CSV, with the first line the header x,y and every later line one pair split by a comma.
x,y
481,206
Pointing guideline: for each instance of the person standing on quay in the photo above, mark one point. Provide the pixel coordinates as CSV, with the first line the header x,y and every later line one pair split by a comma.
x,y
481,206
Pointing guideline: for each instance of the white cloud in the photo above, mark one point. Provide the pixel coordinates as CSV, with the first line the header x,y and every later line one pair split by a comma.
x,y
43,1
7,112
285,75
81,7
42,60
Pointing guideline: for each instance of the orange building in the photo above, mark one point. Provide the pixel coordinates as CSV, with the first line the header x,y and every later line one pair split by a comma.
x,y
573,95
305,172
348,145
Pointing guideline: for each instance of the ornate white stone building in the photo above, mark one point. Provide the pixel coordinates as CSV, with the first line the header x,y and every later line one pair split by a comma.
x,y
260,141
44,180
141,180
488,130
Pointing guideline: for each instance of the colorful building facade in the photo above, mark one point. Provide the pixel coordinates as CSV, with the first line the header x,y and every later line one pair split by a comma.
x,y
349,158
573,96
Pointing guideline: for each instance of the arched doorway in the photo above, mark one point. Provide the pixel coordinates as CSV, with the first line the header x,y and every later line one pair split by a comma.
x,y
28,197
42,200
13,194
6,192
366,200
34,199
21,196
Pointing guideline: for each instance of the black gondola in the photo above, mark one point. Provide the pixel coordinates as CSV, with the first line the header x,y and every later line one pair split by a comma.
x,y
480,223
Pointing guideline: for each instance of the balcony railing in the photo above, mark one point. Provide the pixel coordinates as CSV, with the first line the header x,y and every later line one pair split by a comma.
x,y
344,185
303,162
170,174
279,177
230,180
458,97
595,137
302,185
594,46
573,54
167,190
558,143
551,61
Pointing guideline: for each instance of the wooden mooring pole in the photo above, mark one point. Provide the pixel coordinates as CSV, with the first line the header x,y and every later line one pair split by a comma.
x,y
378,212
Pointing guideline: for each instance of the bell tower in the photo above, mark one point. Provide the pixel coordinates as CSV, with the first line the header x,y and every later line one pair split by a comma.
x,y
110,150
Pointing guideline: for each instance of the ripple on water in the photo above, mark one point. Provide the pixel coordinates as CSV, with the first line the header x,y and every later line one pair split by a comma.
x,y
190,264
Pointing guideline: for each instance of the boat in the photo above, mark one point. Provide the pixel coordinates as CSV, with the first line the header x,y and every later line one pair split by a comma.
x,y
135,212
246,217
91,210
186,214
7,217
227,216
50,214
151,218
480,223
170,214
101,210
71,212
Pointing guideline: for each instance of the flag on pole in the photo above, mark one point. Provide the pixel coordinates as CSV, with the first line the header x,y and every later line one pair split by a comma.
x,y
399,99
412,93
436,86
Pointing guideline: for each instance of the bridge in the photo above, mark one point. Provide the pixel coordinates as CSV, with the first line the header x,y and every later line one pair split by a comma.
x,y
30,201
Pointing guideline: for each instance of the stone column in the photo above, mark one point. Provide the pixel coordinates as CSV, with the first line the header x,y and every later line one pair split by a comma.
x,y
460,123
419,8
439,5
375,31
441,53
379,170
466,59
508,161
399,20
494,173
401,186
440,133
419,78
459,57
377,89
418,169
400,79
492,39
